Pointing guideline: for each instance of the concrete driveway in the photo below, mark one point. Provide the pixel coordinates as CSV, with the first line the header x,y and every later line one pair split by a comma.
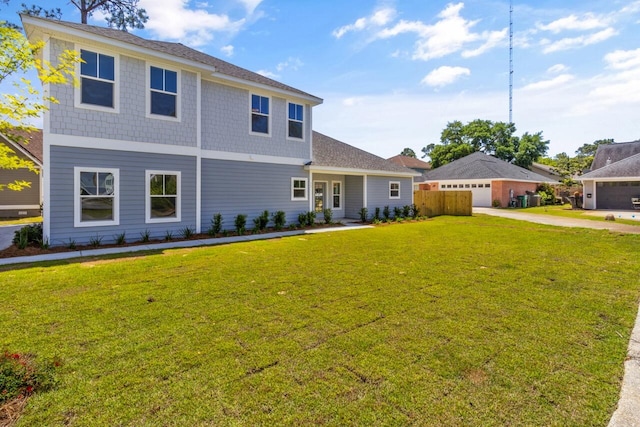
x,y
6,235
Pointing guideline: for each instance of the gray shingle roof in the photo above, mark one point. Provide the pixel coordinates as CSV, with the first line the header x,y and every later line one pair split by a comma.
x,y
180,51
329,152
409,162
32,143
482,166
625,168
614,153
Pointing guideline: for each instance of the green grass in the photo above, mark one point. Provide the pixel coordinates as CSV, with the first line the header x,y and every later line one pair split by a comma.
x,y
473,321
567,212
18,221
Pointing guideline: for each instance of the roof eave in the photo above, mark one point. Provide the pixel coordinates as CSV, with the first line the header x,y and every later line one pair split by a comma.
x,y
358,171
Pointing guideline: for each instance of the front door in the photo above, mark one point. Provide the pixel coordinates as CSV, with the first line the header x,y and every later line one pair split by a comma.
x,y
319,196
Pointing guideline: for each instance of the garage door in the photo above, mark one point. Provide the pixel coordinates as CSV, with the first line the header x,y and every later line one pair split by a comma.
x,y
481,196
616,195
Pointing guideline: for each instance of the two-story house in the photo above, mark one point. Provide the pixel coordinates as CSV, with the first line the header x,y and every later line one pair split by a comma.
x,y
158,137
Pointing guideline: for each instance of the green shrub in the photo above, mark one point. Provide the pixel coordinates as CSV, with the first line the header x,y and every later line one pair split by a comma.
x,y
20,375
261,222
406,211
311,218
95,241
28,234
71,244
187,232
397,212
279,220
496,203
168,236
216,224
547,194
240,222
386,213
145,236
120,238
302,219
415,211
364,213
376,215
328,216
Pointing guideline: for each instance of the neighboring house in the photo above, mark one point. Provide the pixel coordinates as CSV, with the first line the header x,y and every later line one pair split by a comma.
x,y
547,171
487,177
27,201
412,163
614,179
158,137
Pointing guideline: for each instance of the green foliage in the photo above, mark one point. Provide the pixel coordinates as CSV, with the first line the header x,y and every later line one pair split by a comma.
x,y
406,211
364,214
397,212
376,214
20,375
546,193
168,236
328,216
415,211
458,140
18,110
71,244
386,213
302,219
29,234
240,223
145,236
188,232
260,223
408,152
95,241
311,218
120,238
216,224
279,220
496,203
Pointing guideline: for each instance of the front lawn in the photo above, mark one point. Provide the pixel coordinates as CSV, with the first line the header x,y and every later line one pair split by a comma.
x,y
452,321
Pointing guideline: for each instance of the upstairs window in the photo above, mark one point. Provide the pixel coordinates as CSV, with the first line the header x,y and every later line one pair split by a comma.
x,y
394,190
163,92
296,121
260,114
97,79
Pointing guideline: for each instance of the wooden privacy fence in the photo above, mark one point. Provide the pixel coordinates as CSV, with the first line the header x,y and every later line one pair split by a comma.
x,y
436,203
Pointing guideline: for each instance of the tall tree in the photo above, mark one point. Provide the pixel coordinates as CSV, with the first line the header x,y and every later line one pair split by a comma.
x,y
120,14
18,56
408,152
496,138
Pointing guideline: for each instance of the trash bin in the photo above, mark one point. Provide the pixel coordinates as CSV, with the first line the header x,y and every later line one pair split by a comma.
x,y
520,201
525,201
536,200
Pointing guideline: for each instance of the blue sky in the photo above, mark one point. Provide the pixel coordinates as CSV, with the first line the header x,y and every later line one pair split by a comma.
x,y
393,73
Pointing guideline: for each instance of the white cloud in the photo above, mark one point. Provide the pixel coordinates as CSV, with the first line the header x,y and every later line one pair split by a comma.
x,y
588,22
227,50
290,64
450,34
250,5
268,74
378,18
557,68
445,75
623,59
172,20
578,42
550,83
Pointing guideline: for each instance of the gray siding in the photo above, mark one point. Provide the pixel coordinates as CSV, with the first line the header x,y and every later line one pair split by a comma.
x,y
233,188
132,168
353,196
131,123
378,192
226,123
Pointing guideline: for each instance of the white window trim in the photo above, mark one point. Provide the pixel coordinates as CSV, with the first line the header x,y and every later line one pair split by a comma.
x,y
148,89
251,132
304,127
341,198
116,83
306,189
77,205
147,197
399,190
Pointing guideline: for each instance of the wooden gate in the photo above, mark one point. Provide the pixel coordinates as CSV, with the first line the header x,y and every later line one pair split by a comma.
x,y
436,203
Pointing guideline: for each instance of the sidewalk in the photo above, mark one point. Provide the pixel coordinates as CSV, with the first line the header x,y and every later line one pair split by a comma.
x,y
347,225
628,412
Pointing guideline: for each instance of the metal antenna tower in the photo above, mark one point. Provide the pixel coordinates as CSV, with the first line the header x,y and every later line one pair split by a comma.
x,y
510,61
